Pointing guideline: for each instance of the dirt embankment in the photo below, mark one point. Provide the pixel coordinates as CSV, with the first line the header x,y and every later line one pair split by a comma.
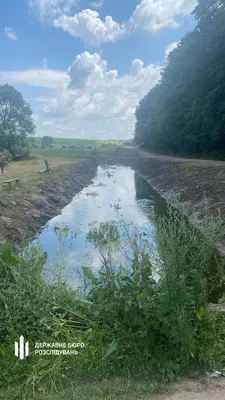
x,y
199,389
24,214
193,182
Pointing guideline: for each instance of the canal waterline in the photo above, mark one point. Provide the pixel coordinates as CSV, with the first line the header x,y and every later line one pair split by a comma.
x,y
117,193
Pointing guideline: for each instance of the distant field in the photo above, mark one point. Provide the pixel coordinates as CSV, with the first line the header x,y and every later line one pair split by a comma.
x,y
79,142
81,148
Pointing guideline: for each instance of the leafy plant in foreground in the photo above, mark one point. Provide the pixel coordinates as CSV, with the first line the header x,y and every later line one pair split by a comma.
x,y
130,321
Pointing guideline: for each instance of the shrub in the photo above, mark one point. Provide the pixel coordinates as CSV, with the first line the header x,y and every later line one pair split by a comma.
x,y
22,153
94,152
47,141
131,319
8,156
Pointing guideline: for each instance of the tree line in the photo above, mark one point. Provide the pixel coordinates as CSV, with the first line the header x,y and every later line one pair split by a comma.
x,y
184,114
16,122
17,125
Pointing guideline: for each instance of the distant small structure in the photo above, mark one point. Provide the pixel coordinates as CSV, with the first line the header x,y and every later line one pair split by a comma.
x,y
46,169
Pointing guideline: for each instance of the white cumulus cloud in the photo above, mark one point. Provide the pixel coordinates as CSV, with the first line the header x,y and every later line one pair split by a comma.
x,y
87,69
46,10
88,99
46,78
136,66
170,47
90,28
153,15
97,93
10,33
149,15
97,3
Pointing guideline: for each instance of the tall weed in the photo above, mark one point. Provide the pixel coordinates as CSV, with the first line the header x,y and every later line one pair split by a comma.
x,y
145,317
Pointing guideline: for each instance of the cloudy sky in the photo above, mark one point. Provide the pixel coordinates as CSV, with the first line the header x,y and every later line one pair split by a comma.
x,y
84,65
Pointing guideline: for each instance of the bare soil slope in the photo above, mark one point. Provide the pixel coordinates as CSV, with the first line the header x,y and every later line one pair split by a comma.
x,y
191,180
196,390
25,213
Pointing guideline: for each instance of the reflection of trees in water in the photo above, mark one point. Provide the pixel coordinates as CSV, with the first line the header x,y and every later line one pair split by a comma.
x,y
145,191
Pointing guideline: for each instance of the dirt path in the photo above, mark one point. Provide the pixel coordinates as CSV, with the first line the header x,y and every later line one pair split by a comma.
x,y
164,158
196,390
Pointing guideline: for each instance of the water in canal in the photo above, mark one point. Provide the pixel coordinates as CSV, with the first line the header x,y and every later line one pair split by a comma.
x,y
116,193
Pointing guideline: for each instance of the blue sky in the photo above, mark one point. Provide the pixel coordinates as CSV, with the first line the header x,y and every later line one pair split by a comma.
x,y
84,65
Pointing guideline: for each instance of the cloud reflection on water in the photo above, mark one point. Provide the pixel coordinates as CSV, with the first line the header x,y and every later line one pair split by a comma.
x,y
120,188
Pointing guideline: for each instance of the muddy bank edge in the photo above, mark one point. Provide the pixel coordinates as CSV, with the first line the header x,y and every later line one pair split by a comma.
x,y
188,184
23,215
190,181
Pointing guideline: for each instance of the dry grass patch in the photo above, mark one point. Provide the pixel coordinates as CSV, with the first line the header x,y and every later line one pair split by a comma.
x,y
28,172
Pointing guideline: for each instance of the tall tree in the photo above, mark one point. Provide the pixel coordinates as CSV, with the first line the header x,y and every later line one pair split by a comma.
x,y
185,112
47,141
16,121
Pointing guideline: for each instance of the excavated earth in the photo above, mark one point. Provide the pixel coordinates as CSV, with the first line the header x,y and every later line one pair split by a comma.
x,y
23,215
192,181
194,186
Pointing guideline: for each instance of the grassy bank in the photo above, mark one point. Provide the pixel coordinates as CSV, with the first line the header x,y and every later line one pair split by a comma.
x,y
60,155
133,326
28,172
105,389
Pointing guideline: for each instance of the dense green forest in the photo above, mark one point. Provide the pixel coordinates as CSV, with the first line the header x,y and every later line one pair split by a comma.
x,y
184,114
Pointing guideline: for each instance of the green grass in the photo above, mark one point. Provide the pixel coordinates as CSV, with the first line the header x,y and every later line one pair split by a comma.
x,y
58,151
72,141
27,171
220,176
82,142
107,389
133,326
57,156
79,142
187,170
82,148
